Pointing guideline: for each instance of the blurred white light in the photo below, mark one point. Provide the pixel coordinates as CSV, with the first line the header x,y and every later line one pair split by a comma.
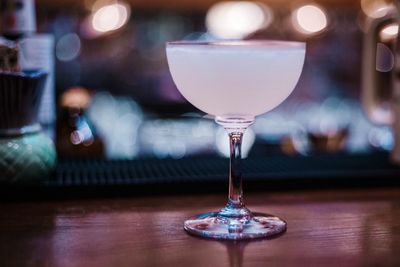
x,y
177,138
68,47
389,32
110,17
76,137
309,19
117,121
236,20
82,135
381,137
375,8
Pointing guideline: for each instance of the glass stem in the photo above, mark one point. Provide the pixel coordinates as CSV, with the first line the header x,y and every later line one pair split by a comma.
x,y
235,170
235,210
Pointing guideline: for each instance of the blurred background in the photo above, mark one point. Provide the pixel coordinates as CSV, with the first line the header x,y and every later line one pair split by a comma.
x,y
116,99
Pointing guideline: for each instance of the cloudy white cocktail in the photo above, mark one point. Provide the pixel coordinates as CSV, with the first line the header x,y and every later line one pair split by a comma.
x,y
235,81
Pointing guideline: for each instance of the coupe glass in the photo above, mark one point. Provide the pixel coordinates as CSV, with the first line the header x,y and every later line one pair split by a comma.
x,y
235,81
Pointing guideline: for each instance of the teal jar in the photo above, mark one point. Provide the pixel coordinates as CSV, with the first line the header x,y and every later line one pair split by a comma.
x,y
27,155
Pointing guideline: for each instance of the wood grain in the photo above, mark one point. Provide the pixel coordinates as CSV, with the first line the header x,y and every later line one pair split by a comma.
x,y
325,228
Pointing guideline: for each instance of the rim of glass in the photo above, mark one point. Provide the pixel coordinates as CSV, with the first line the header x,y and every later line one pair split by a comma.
x,y
239,43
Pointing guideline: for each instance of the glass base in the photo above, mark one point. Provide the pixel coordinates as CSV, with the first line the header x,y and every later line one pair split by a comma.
x,y
213,225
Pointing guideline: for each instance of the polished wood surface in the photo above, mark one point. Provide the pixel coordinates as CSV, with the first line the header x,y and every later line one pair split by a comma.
x,y
325,228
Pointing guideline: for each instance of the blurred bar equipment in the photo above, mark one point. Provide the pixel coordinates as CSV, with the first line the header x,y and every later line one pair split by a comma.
x,y
381,90
26,154
36,51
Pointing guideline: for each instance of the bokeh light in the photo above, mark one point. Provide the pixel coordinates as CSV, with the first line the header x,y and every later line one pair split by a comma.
x,y
375,8
389,32
75,97
236,20
68,47
381,137
110,17
176,138
117,120
309,19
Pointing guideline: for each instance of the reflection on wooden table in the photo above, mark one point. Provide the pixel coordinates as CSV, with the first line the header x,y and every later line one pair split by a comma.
x,y
325,228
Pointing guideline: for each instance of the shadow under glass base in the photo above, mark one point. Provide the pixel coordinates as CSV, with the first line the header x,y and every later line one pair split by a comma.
x,y
256,225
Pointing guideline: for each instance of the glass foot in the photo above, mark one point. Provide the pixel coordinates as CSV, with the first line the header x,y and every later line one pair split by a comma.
x,y
213,225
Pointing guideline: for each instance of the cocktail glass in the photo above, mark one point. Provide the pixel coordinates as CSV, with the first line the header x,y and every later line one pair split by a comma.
x,y
235,81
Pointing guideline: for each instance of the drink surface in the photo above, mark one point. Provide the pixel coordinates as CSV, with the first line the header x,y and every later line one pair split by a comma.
x,y
243,78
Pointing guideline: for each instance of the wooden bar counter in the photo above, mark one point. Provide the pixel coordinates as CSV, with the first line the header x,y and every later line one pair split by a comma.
x,y
325,228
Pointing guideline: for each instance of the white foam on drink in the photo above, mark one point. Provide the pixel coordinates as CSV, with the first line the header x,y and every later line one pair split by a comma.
x,y
236,78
